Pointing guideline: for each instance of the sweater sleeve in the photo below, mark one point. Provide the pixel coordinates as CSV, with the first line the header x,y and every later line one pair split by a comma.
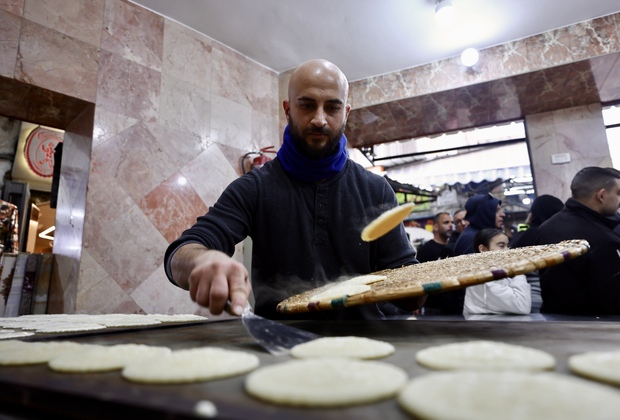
x,y
510,295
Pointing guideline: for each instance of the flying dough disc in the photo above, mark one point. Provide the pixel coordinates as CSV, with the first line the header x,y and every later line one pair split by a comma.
x,y
386,222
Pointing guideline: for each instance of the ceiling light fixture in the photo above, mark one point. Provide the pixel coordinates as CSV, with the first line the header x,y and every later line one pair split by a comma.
x,y
445,14
469,57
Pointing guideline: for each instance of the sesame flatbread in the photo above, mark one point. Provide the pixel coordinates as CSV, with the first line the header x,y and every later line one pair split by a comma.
x,y
484,355
507,395
600,366
386,222
350,346
442,275
325,382
192,365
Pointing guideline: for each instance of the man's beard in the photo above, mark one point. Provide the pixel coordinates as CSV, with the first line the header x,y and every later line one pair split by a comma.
x,y
308,150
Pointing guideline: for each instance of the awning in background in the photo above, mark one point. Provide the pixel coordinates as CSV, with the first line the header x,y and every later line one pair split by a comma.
x,y
483,164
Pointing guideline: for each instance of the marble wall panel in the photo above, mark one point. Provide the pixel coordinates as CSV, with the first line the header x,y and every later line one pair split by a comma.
x,y
160,297
10,27
49,59
185,108
229,77
134,33
99,293
79,19
139,86
610,89
173,206
15,7
507,59
120,237
44,106
108,124
594,37
187,55
179,147
231,124
70,211
139,162
209,174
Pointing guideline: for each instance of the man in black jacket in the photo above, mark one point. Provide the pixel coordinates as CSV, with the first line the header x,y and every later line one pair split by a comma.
x,y
589,284
304,211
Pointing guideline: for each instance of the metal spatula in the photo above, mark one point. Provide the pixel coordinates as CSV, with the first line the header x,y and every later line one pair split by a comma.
x,y
273,336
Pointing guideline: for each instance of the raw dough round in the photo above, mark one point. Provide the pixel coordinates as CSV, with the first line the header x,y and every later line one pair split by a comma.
x,y
325,382
192,365
600,366
507,395
365,279
104,358
484,355
355,347
38,352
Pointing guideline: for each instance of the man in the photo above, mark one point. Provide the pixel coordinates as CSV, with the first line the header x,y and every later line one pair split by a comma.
x,y
483,211
304,211
589,284
442,229
542,209
458,219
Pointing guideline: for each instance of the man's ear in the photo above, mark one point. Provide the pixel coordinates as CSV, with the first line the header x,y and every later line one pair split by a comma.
x,y
600,195
287,108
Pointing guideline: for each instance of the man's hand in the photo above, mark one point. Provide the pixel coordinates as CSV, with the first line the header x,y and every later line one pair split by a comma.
x,y
212,278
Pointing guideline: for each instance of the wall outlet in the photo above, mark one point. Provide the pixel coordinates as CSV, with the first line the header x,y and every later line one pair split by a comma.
x,y
560,158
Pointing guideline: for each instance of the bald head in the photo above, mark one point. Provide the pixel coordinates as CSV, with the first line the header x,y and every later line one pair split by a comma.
x,y
318,72
316,108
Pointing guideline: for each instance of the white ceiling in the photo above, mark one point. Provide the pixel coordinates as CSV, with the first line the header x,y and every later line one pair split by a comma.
x,y
370,37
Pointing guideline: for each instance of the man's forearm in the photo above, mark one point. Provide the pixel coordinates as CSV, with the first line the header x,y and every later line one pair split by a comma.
x,y
183,262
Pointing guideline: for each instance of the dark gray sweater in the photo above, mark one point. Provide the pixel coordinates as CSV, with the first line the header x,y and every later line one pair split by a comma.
x,y
304,234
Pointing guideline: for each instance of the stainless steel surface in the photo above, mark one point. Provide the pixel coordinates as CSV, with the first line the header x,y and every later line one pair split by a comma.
x,y
274,337
35,391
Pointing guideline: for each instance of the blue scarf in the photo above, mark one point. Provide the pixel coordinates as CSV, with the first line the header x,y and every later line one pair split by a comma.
x,y
304,169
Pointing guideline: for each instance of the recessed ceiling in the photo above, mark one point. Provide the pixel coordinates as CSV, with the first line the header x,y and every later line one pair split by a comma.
x,y
370,37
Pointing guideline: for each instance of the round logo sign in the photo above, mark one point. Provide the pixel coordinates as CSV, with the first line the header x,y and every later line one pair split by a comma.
x,y
39,151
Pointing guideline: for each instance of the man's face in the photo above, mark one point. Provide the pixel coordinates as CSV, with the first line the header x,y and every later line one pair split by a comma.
x,y
499,217
317,113
315,142
459,221
444,226
611,200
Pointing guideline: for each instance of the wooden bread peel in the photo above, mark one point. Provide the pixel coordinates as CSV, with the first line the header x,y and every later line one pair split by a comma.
x,y
443,275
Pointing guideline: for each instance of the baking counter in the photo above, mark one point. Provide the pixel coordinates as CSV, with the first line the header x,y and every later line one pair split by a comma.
x,y
33,391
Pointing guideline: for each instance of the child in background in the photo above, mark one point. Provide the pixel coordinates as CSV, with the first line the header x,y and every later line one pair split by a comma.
x,y
505,296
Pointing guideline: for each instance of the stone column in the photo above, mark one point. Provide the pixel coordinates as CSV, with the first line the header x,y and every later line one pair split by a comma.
x,y
562,142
